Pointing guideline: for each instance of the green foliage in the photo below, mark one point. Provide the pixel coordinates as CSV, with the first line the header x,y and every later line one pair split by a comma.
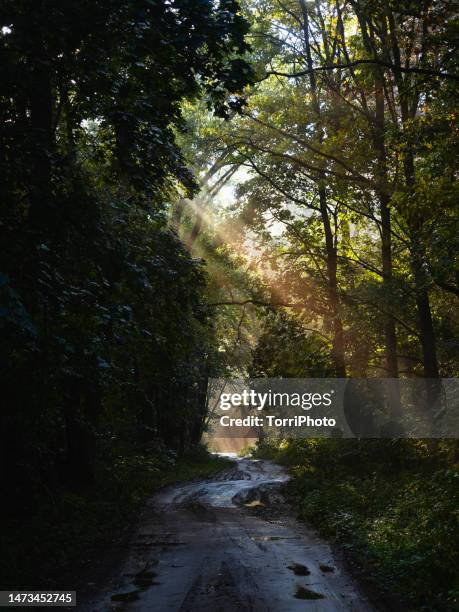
x,y
349,193
392,505
348,203
70,530
285,350
105,334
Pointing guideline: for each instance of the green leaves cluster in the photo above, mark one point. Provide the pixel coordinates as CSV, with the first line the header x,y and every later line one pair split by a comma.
x,y
347,143
392,506
104,328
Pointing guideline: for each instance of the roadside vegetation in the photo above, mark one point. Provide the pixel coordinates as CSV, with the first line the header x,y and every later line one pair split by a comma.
x,y
190,190
392,506
72,532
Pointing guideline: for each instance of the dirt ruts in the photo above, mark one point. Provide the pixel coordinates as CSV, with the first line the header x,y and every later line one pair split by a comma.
x,y
205,546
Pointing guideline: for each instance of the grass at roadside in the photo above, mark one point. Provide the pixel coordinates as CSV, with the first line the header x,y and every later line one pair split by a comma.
x,y
72,528
393,506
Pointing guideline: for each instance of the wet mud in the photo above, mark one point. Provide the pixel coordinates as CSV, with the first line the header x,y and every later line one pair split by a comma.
x,y
215,545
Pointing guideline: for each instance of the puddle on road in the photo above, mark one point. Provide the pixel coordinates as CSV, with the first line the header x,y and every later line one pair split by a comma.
x,y
145,580
230,488
305,593
126,597
254,504
299,570
150,544
273,538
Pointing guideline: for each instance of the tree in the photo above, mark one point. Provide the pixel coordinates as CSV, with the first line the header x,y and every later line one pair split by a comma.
x,y
324,138
96,290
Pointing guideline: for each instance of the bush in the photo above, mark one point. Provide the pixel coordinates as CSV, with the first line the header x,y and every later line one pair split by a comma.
x,y
392,504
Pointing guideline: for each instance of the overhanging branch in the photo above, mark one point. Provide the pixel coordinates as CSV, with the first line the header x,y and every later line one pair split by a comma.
x,y
254,302
423,71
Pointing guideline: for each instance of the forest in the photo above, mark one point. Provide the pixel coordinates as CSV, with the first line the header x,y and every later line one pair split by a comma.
x,y
196,189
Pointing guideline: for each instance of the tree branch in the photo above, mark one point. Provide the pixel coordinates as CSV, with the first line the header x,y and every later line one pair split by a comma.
x,y
424,71
254,302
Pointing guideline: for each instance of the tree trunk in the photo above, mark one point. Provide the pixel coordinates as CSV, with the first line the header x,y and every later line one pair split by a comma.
x,y
333,295
421,282
408,112
338,352
386,229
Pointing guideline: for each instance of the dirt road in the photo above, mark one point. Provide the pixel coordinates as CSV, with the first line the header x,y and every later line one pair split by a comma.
x,y
201,548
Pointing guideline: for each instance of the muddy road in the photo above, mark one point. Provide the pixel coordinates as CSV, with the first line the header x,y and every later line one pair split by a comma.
x,y
204,547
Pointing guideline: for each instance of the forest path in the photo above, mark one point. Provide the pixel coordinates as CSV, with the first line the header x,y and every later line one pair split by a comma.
x,y
200,547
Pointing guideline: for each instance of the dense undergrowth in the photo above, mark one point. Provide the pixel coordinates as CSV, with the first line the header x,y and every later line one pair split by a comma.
x,y
71,529
392,505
